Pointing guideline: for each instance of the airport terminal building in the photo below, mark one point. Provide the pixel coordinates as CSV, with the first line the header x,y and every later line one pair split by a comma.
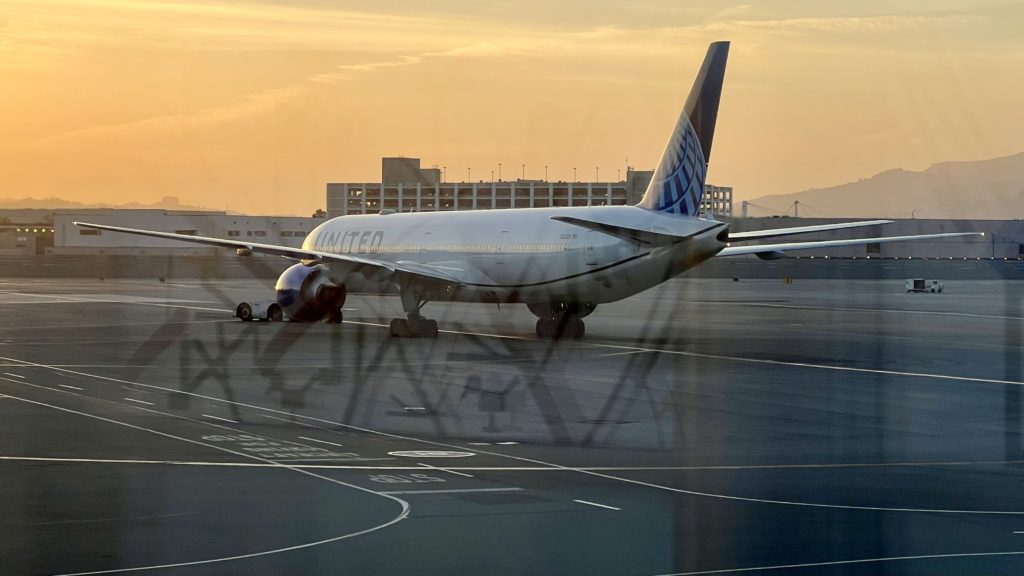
x,y
405,187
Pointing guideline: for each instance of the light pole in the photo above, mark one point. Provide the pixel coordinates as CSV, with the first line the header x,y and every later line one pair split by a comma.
x,y
499,173
444,174
492,176
597,173
524,171
545,172
469,177
574,174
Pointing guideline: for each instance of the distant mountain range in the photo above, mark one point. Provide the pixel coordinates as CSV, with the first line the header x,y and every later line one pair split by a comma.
x,y
49,204
985,189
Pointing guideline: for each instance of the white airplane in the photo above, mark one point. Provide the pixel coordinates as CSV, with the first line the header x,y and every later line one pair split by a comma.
x,y
561,262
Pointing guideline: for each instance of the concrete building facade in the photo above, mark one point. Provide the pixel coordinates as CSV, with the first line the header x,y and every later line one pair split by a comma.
x,y
25,239
405,187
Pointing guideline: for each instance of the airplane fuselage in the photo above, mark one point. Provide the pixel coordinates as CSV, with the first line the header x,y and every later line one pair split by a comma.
x,y
523,255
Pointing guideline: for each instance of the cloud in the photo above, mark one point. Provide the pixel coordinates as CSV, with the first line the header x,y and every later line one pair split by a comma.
x,y
253,105
218,26
398,41
345,71
731,12
851,24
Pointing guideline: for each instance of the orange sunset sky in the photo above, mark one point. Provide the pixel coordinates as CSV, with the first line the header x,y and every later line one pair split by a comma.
x,y
256,105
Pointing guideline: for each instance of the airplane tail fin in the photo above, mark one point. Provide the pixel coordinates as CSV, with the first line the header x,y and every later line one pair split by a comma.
x,y
678,182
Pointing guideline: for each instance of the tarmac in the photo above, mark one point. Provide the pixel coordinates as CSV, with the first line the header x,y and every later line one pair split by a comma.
x,y
708,426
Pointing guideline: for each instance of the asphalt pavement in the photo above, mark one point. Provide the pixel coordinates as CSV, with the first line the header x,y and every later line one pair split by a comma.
x,y
704,427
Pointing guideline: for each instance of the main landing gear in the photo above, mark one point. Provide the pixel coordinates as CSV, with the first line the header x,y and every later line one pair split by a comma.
x,y
413,325
563,326
561,319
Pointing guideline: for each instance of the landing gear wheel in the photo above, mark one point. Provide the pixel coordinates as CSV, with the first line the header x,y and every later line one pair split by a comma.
x,y
556,328
244,312
428,328
578,329
334,317
546,328
275,314
399,328
413,328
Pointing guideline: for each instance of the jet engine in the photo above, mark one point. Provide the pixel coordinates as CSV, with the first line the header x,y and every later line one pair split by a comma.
x,y
307,293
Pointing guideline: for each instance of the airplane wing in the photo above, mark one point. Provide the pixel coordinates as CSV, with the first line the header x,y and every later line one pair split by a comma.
x,y
773,251
425,272
772,233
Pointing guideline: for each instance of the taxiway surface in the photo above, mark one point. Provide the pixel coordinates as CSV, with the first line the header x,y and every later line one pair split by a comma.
x,y
705,427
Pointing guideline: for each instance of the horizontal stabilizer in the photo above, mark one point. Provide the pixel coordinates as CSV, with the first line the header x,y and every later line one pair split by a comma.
x,y
772,251
775,232
635,234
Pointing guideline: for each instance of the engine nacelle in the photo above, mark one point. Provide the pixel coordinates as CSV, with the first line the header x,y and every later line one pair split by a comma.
x,y
307,294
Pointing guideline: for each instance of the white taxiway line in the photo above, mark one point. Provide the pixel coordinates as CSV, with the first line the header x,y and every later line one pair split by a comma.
x,y
71,300
169,462
139,401
70,387
219,418
448,470
845,562
596,504
321,441
819,366
453,491
639,349
884,310
13,375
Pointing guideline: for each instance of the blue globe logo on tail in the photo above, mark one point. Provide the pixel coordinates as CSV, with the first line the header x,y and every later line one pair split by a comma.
x,y
682,184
